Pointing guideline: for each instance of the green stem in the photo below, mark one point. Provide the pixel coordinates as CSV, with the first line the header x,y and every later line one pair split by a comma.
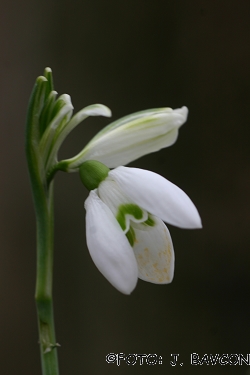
x,y
43,202
43,295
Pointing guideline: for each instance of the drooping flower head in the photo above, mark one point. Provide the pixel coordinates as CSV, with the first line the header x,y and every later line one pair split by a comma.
x,y
126,235
126,207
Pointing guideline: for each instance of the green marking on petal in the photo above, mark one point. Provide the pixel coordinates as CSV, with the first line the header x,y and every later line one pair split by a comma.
x,y
131,236
150,221
128,209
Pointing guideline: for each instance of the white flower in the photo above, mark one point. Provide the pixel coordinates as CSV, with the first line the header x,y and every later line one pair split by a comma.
x,y
126,236
130,137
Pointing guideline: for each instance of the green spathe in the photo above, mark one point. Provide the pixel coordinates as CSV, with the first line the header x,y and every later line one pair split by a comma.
x,y
92,173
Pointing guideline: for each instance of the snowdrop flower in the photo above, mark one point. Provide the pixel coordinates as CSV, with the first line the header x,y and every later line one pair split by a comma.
x,y
126,235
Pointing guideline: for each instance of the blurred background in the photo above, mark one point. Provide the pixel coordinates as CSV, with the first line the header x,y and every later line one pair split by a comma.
x,y
130,56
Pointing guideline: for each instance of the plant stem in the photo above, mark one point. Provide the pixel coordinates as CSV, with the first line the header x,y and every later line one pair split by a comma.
x,y
43,295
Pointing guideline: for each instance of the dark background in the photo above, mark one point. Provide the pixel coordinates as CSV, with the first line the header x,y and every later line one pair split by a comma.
x,y
131,55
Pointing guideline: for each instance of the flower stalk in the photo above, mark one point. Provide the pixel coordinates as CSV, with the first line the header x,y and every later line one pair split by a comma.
x,y
43,202
44,280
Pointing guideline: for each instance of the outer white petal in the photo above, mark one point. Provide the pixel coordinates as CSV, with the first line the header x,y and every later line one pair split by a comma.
x,y
108,246
154,253
158,196
132,137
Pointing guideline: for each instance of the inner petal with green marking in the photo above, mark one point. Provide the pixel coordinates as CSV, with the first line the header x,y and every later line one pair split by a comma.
x,y
130,215
127,212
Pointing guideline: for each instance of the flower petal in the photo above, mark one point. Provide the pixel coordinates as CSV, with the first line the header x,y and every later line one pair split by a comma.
x,y
120,205
154,253
92,110
131,137
158,196
108,246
